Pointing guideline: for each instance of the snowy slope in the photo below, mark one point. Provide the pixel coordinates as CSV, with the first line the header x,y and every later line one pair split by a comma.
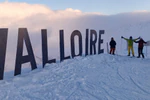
x,y
97,77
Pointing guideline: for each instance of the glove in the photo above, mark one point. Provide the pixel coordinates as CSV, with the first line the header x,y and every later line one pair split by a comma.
x,y
121,36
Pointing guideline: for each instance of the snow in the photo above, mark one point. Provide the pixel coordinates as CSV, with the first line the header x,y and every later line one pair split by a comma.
x,y
96,77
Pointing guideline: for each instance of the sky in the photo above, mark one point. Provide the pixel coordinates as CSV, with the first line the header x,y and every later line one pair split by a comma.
x,y
102,6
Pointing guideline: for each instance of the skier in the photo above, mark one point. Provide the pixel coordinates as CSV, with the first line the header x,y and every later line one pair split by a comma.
x,y
112,44
140,47
130,44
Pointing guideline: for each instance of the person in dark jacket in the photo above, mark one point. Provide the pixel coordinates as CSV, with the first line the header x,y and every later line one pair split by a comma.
x,y
112,44
140,47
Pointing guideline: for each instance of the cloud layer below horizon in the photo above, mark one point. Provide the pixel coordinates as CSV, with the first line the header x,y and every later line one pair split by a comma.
x,y
36,17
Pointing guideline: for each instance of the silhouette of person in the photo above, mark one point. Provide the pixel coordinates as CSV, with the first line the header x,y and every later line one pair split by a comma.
x,y
140,47
112,44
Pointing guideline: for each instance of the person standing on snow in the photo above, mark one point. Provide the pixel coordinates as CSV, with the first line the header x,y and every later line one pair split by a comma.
x,y
140,47
112,44
130,44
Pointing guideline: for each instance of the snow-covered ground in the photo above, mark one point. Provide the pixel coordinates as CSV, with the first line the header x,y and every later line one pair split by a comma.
x,y
97,77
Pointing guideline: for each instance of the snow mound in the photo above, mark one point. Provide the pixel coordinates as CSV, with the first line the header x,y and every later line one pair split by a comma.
x,y
97,77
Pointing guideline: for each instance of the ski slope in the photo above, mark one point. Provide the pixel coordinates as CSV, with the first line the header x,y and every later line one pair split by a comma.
x,y
97,77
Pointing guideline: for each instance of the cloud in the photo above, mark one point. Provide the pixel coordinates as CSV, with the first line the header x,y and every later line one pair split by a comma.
x,y
23,11
36,17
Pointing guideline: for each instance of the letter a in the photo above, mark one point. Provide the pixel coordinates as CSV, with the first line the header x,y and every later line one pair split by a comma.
x,y
20,59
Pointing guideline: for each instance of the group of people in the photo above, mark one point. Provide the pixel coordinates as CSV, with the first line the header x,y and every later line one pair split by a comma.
x,y
130,42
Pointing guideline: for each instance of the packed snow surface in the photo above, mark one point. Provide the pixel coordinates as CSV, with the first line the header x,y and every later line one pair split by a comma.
x,y
97,77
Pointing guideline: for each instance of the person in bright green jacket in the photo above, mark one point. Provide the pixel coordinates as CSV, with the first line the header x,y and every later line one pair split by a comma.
x,y
130,44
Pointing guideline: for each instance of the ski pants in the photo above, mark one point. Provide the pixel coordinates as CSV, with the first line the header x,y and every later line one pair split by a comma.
x,y
130,48
140,52
112,51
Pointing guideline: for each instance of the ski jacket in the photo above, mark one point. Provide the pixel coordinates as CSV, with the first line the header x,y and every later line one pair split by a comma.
x,y
112,44
130,41
141,43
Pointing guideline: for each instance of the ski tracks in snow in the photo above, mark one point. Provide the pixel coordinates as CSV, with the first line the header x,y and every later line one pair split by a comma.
x,y
137,85
98,77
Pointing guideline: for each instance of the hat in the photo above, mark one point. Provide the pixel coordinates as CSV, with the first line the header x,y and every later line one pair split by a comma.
x,y
130,37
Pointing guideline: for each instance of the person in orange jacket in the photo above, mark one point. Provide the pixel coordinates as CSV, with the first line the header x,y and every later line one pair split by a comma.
x,y
140,47
130,44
